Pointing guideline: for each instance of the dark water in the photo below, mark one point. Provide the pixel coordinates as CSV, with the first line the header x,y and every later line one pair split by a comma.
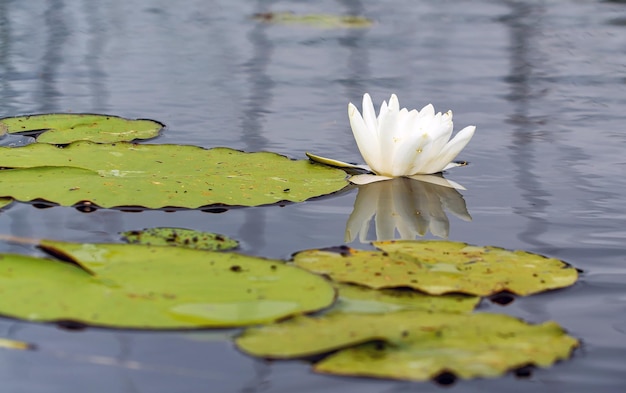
x,y
545,83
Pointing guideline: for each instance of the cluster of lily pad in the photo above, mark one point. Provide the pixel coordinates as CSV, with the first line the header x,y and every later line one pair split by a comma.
x,y
405,310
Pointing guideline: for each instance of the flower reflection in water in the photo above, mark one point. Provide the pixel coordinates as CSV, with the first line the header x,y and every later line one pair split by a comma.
x,y
410,207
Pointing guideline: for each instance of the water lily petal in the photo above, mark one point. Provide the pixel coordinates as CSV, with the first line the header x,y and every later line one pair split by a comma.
x,y
382,112
367,179
389,138
369,114
451,165
412,152
408,146
427,111
394,103
335,163
366,138
439,131
418,150
451,150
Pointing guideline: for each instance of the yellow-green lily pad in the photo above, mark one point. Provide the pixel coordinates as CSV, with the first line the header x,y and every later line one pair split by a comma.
x,y
64,128
180,237
158,176
155,287
412,345
359,299
322,21
438,267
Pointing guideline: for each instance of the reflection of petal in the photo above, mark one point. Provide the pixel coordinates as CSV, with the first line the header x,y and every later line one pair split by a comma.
x,y
429,204
438,180
456,206
409,220
385,219
364,209
410,207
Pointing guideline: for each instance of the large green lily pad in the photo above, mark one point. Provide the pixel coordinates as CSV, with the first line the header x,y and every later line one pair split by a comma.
x,y
157,176
154,287
359,299
180,237
64,128
438,267
415,345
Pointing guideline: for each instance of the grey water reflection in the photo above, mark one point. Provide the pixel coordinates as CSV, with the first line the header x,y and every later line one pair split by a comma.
x,y
405,207
531,81
256,107
6,68
357,60
58,34
96,44
524,24
529,89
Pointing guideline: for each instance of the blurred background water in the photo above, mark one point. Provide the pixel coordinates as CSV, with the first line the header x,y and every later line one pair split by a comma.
x,y
544,82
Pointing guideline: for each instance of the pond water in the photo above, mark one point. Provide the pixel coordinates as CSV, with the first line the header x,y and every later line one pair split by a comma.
x,y
544,82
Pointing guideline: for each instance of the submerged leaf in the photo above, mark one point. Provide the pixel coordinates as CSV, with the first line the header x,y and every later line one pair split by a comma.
x,y
152,287
438,267
180,237
12,344
63,128
323,21
415,345
157,176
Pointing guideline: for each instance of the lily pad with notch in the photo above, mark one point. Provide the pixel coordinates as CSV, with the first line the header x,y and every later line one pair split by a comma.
x,y
64,128
159,176
412,345
155,287
439,267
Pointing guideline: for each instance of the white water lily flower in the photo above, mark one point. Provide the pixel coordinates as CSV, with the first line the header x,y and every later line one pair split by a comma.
x,y
399,142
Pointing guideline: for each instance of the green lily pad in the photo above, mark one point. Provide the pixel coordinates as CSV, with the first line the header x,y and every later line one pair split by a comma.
x,y
64,128
438,267
323,21
157,176
180,237
155,287
358,299
415,345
